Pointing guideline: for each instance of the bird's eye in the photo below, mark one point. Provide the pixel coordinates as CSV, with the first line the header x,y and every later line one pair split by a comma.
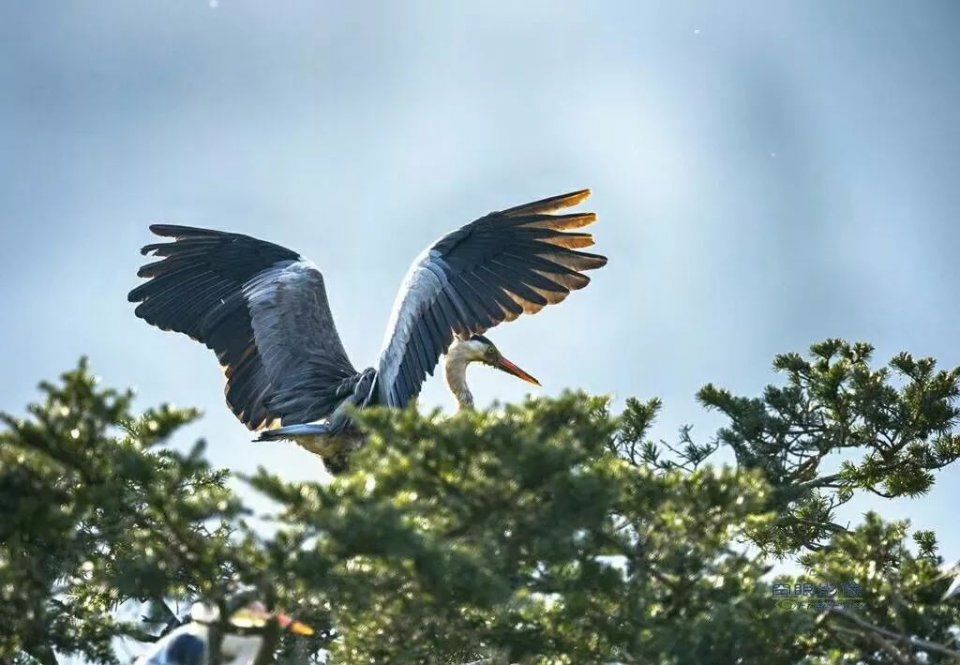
x,y
491,354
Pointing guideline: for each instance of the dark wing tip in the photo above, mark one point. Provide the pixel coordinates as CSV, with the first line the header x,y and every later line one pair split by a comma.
x,y
170,231
177,231
582,260
167,230
550,204
579,196
598,260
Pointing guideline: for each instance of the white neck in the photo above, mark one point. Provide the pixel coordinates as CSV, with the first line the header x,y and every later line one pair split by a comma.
x,y
459,355
456,371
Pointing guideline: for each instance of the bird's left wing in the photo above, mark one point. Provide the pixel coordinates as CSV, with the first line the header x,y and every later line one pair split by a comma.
x,y
262,308
492,270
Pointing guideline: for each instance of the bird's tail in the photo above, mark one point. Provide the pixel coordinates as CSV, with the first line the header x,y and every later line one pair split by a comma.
x,y
294,431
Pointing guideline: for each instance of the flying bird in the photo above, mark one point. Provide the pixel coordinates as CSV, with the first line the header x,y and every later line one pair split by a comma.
x,y
263,310
241,640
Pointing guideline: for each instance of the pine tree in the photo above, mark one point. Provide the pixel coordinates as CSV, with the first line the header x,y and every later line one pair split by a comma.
x,y
553,531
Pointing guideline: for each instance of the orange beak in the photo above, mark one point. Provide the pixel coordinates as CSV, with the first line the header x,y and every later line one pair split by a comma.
x,y
293,626
508,367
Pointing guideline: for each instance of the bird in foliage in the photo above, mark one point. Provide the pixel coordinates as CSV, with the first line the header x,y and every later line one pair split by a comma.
x,y
263,310
238,640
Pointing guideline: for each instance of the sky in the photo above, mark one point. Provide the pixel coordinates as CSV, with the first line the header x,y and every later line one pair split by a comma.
x,y
766,175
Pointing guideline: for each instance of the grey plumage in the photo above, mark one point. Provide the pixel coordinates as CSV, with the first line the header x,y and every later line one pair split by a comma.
x,y
489,271
263,309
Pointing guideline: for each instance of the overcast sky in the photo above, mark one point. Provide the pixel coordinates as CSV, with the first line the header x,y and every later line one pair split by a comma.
x,y
766,175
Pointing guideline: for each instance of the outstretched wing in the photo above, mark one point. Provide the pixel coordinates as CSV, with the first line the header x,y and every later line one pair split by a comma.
x,y
262,308
489,271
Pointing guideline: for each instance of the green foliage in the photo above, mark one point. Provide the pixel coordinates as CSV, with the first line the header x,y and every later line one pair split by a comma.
x,y
902,591
96,514
884,431
548,532
520,533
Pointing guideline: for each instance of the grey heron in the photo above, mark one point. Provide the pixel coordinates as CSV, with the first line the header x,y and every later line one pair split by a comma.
x,y
263,310
239,645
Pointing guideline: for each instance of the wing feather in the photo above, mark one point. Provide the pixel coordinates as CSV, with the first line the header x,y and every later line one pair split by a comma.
x,y
492,270
261,307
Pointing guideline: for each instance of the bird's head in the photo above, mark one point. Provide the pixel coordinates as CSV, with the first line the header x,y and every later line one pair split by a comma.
x,y
256,616
250,618
480,349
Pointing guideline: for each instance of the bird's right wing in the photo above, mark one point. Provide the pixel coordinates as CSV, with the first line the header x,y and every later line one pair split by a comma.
x,y
492,270
262,308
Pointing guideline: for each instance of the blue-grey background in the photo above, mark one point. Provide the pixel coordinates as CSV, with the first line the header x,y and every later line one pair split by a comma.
x,y
766,174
